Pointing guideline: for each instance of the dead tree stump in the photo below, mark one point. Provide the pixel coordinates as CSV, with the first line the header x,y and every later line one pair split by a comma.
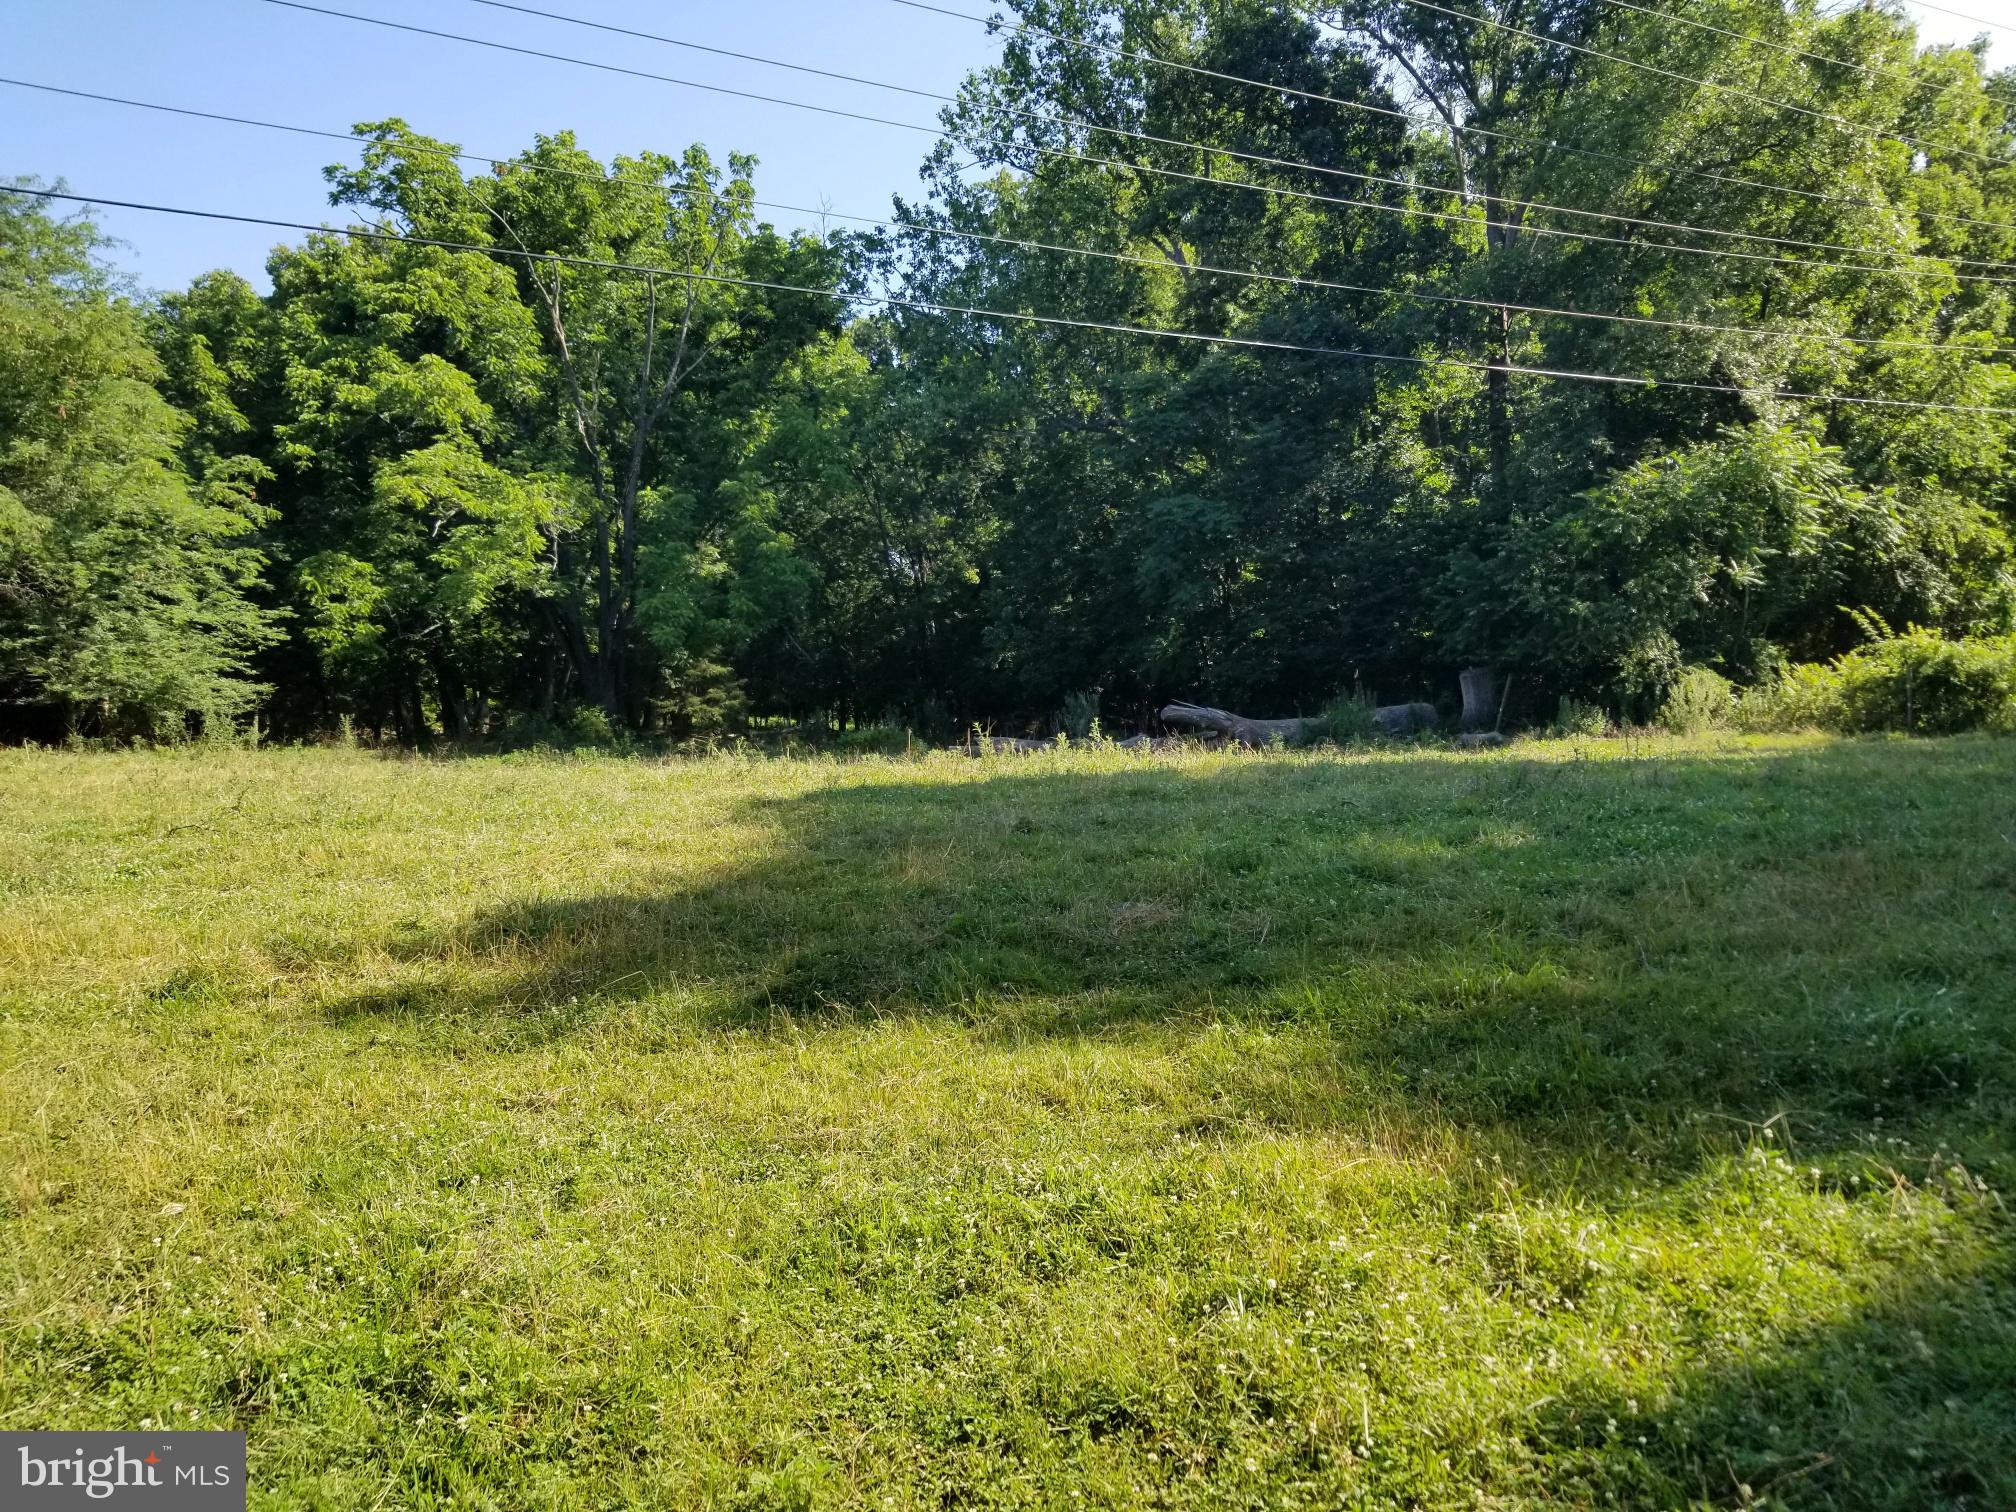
x,y
1480,697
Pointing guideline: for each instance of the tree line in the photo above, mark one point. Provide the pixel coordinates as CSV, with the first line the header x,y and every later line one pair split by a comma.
x,y
528,471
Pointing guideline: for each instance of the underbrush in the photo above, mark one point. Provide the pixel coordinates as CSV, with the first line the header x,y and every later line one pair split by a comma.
x,y
1916,682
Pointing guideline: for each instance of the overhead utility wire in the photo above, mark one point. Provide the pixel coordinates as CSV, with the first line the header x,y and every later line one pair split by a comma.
x,y
1779,47
1964,16
925,228
1048,118
937,307
1937,270
1735,180
1742,94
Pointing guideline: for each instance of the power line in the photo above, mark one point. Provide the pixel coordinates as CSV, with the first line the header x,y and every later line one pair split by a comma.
x,y
1742,94
1779,47
1079,122
1935,270
1963,16
924,228
1733,180
1301,281
937,307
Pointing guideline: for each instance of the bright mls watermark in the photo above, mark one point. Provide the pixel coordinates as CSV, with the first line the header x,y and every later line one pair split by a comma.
x,y
164,1472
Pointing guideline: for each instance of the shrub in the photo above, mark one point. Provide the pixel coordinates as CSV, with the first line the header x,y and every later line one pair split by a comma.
x,y
1918,682
1804,696
1578,718
1924,684
524,730
1347,719
588,726
704,698
930,720
1080,715
1699,700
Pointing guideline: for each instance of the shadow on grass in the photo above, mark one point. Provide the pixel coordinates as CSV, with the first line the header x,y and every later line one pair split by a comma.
x,y
1820,934
1607,969
1903,1403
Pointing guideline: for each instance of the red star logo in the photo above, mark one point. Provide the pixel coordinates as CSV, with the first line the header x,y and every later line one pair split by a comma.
x,y
152,1458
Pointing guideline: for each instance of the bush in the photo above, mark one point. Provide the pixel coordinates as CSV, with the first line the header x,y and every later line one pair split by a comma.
x,y
705,698
588,726
524,730
1918,683
1578,718
1924,684
1805,696
1080,715
1699,700
1347,719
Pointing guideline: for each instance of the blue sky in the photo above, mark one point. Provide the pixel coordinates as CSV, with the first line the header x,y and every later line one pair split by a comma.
x,y
250,58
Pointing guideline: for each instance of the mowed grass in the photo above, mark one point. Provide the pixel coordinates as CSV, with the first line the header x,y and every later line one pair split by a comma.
x,y
1579,1125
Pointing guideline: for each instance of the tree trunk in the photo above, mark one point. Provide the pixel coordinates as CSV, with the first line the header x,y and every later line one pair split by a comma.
x,y
1389,719
1498,398
1480,697
1248,732
1406,719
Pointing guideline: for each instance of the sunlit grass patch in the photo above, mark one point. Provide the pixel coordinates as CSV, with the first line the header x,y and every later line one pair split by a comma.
x,y
1583,1124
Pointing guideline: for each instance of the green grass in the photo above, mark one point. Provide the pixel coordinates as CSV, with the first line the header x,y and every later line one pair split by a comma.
x,y
1584,1124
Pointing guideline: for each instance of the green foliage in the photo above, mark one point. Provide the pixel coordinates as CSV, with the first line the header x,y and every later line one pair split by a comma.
x,y
1917,682
445,536
702,697
1801,696
1703,552
1699,699
488,488
1578,719
1278,517
1080,715
1922,683
589,726
123,586
506,487
1348,719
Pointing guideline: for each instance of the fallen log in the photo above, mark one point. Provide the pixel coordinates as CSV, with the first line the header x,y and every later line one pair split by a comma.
x,y
1389,719
1166,742
1248,732
1406,719
1001,745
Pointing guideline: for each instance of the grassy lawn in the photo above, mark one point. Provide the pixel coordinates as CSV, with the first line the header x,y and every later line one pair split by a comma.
x,y
1576,1125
